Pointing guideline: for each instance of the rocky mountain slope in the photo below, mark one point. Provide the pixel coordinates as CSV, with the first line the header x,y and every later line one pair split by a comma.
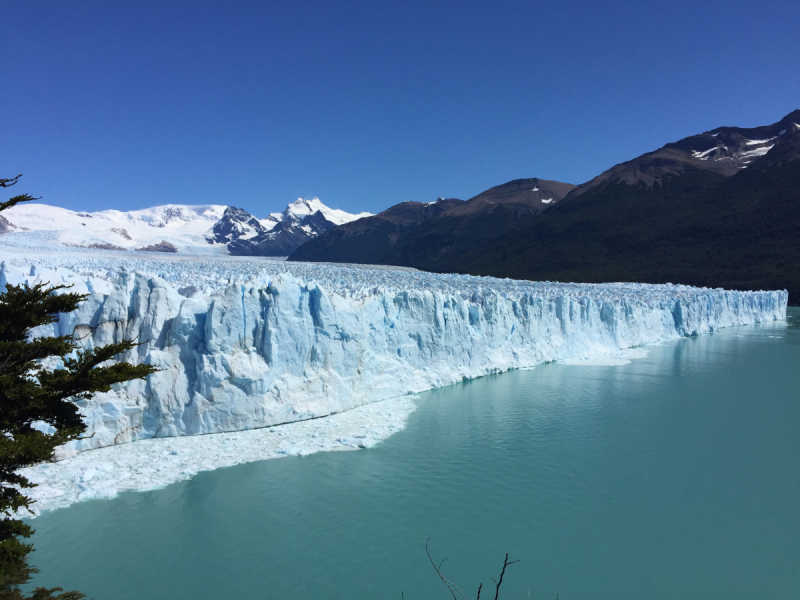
x,y
280,234
721,208
717,209
430,235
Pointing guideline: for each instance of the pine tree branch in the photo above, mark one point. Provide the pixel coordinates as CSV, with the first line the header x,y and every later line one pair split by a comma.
x,y
9,182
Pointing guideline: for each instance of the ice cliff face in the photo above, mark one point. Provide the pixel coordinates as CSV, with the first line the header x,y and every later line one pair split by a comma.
x,y
278,347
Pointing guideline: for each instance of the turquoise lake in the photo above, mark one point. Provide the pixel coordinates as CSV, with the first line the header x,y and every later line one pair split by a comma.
x,y
674,476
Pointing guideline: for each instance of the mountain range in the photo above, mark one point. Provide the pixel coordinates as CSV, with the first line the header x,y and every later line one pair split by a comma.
x,y
175,228
429,235
721,208
717,209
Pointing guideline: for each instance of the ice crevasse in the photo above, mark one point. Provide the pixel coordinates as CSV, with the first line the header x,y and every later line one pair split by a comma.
x,y
278,348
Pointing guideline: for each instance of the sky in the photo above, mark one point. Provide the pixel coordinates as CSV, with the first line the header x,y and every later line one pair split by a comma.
x,y
125,105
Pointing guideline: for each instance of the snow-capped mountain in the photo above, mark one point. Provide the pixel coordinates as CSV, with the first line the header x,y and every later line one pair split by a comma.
x,y
279,234
235,224
302,208
167,228
213,228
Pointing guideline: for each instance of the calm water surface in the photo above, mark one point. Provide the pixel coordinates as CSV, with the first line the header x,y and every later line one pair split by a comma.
x,y
676,476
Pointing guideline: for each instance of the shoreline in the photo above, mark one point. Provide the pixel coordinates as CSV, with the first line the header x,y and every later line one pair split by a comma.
x,y
155,463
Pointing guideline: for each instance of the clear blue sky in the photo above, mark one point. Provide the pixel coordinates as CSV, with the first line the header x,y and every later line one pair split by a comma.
x,y
128,104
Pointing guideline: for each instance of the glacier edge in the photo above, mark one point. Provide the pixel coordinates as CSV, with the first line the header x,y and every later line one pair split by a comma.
x,y
280,347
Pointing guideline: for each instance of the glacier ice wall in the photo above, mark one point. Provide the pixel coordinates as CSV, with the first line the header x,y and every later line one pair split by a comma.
x,y
255,346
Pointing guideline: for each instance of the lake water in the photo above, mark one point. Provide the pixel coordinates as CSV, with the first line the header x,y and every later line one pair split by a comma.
x,y
674,476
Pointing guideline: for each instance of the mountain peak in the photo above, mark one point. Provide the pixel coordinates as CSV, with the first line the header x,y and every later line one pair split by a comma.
x,y
280,233
720,151
304,207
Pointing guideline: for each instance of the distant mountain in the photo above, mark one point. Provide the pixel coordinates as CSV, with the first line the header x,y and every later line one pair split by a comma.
x,y
172,228
721,208
280,234
151,229
368,240
429,235
717,209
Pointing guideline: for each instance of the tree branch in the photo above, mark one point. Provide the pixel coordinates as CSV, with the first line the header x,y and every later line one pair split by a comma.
x,y
503,572
450,585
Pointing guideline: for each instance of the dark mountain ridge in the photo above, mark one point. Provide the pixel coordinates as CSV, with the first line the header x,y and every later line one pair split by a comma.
x,y
671,216
370,239
429,235
721,209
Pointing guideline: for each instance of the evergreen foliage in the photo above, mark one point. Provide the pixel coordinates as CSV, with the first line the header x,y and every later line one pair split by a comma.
x,y
32,393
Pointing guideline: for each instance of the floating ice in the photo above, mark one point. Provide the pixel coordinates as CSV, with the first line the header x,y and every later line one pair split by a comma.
x,y
155,463
618,358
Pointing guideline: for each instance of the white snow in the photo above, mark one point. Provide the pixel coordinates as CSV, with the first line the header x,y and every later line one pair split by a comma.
x,y
261,343
704,155
758,142
756,152
184,226
181,225
271,221
548,201
301,207
536,189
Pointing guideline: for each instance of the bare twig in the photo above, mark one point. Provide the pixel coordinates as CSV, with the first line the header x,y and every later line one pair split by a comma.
x,y
503,572
450,585
453,587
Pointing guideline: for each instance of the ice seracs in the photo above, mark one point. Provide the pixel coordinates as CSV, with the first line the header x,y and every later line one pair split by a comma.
x,y
259,344
255,344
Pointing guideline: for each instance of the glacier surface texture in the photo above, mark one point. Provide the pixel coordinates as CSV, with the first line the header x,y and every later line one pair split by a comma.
x,y
245,344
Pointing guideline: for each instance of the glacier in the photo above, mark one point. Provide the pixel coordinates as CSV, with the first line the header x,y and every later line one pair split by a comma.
x,y
245,344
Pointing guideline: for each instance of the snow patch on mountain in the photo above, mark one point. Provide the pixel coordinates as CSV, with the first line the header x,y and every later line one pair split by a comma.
x,y
755,152
739,153
759,142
